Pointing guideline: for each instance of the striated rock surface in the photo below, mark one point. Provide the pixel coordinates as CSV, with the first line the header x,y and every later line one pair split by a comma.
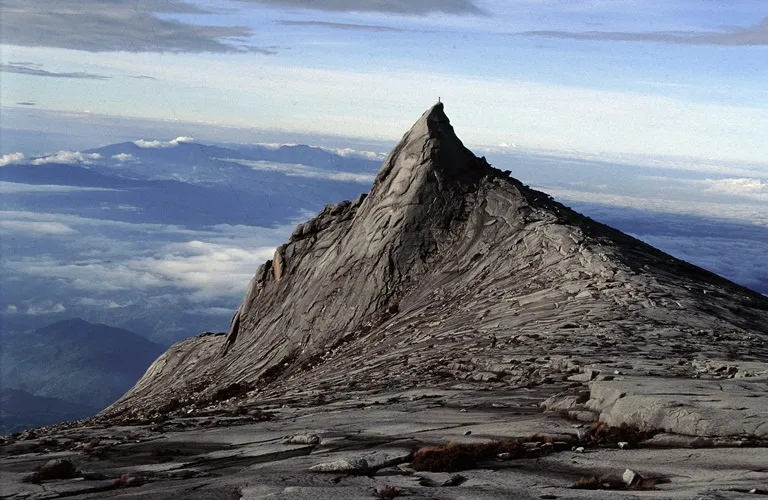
x,y
450,271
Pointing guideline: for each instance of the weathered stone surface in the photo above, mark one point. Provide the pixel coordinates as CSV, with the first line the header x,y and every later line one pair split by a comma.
x,y
59,468
250,460
693,407
345,465
302,439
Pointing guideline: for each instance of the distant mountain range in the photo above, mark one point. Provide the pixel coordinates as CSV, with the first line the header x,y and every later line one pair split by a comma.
x,y
188,153
69,369
194,184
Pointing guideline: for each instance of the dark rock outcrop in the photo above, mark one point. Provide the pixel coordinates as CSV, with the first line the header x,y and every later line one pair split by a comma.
x,y
448,271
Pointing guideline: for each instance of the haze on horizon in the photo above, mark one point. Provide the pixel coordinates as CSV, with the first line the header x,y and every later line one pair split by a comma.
x,y
679,78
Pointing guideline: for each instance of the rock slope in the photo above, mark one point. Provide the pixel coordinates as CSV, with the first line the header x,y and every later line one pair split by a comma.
x,y
450,271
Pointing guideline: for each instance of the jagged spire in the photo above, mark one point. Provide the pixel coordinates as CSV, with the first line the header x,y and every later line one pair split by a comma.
x,y
430,151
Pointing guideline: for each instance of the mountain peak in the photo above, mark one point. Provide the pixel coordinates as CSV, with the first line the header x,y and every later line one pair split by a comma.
x,y
445,260
429,150
433,117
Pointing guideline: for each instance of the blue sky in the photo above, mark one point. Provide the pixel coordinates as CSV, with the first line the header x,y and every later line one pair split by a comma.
x,y
675,78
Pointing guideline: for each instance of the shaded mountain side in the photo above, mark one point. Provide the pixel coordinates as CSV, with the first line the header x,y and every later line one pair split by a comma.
x,y
447,270
76,361
20,410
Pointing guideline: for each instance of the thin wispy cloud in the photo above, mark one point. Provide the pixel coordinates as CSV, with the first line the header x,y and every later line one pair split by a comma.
x,y
142,143
141,77
341,26
11,158
390,6
121,157
295,170
34,228
742,36
746,187
751,214
25,68
118,26
68,158
39,189
46,307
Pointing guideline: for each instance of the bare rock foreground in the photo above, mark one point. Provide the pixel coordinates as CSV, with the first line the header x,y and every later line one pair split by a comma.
x,y
453,334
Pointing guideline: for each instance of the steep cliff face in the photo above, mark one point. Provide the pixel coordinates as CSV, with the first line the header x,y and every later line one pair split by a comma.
x,y
446,269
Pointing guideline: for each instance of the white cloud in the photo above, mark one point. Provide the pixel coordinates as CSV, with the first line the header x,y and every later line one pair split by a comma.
x,y
101,303
206,270
354,153
10,158
35,228
121,157
17,187
163,144
128,208
274,145
11,309
296,170
750,213
209,264
211,269
741,186
67,157
214,311
150,230
46,307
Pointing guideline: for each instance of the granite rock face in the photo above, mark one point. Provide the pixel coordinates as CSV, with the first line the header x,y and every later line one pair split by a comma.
x,y
451,272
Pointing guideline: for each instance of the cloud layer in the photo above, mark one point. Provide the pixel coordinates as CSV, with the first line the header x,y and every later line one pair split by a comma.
x,y
67,157
210,265
393,6
341,26
163,144
26,68
10,158
33,228
740,186
304,171
750,35
20,188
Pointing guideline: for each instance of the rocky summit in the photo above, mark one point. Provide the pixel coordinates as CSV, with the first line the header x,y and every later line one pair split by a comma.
x,y
451,334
